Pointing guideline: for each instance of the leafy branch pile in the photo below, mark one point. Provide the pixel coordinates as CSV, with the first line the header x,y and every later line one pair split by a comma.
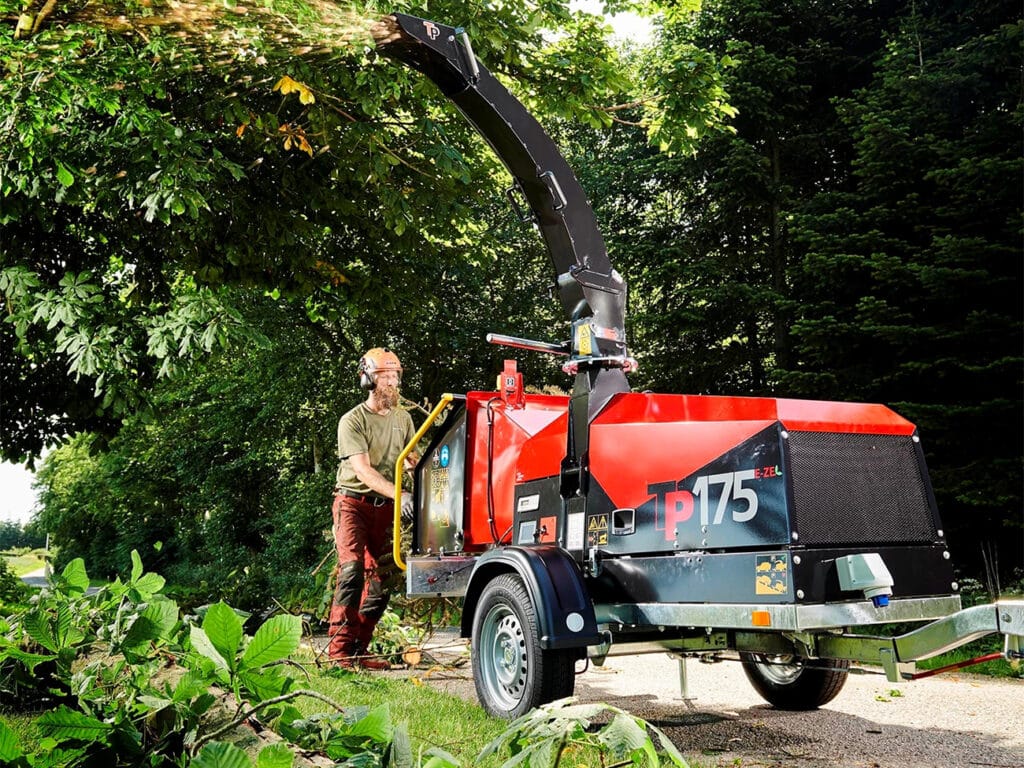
x,y
124,680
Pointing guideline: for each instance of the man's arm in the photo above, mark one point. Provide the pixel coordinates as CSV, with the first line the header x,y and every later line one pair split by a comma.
x,y
370,476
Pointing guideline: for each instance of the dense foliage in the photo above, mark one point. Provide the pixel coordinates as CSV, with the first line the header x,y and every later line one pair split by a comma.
x,y
15,535
117,676
854,235
156,155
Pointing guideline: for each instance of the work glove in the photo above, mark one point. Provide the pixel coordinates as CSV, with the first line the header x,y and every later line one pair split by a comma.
x,y
407,507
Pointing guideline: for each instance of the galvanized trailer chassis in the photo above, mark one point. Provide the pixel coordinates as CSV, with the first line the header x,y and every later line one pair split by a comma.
x,y
801,631
611,521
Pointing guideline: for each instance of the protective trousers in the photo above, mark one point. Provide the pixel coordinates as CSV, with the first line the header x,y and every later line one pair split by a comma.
x,y
362,538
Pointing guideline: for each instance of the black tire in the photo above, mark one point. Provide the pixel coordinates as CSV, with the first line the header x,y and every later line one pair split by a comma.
x,y
511,671
792,683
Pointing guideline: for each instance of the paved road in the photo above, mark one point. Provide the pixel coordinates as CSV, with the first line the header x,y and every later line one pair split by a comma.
x,y
36,578
950,721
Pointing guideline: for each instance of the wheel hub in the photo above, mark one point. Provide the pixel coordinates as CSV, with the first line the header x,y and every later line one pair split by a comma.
x,y
503,650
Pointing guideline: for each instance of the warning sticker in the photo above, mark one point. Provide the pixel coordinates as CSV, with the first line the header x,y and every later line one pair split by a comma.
x,y
439,485
772,574
574,531
583,340
597,530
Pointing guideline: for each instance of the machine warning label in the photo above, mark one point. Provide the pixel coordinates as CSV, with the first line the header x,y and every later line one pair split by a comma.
x,y
439,485
597,530
574,531
772,574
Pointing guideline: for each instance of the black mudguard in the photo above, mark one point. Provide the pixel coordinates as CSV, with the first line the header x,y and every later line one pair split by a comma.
x,y
555,585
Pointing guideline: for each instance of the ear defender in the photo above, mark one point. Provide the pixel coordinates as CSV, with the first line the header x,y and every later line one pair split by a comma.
x,y
377,359
367,380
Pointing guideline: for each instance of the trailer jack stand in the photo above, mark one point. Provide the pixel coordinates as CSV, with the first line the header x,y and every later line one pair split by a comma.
x,y
684,688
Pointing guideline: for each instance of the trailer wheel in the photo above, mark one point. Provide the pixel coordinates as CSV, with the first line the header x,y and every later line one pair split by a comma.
x,y
512,673
790,682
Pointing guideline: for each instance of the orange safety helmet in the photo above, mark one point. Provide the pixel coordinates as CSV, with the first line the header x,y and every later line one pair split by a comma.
x,y
373,362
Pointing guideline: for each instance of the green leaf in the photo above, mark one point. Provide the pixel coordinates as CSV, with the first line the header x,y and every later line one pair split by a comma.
x,y
149,584
74,577
37,624
401,748
63,174
155,703
224,629
65,634
440,759
625,736
154,623
669,748
275,640
275,756
136,566
63,724
220,754
191,684
30,660
201,644
10,750
539,753
376,725
264,686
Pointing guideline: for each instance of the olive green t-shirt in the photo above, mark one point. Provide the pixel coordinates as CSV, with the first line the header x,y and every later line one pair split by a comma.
x,y
381,437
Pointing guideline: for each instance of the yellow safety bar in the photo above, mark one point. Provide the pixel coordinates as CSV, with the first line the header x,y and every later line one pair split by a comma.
x,y
446,398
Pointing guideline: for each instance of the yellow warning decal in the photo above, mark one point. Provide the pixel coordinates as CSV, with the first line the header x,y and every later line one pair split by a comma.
x,y
597,530
772,574
583,339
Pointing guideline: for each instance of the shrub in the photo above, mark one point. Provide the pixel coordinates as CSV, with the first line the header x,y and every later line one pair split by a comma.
x,y
12,589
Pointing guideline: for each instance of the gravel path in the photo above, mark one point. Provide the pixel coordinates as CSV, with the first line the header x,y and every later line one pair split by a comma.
x,y
951,720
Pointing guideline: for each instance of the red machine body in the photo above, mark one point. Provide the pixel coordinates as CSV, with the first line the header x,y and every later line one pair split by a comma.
x,y
638,440
502,442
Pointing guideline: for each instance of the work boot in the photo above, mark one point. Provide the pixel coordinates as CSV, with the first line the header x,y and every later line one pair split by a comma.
x,y
372,663
356,663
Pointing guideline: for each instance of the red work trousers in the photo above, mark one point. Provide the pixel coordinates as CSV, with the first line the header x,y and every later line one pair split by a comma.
x,y
362,538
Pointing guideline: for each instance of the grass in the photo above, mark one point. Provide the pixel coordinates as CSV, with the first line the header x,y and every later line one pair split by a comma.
x,y
434,718
998,668
22,562
22,725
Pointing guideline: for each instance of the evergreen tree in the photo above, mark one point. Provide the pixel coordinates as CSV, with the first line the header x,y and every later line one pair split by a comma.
x,y
909,290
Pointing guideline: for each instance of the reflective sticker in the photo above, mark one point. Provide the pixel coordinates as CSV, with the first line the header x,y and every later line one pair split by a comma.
x,y
772,574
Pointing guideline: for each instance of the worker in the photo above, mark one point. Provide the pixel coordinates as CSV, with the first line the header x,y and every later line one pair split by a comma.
x,y
371,436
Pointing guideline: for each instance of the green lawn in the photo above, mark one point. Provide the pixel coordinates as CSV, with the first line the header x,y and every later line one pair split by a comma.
x,y
434,719
24,563
997,668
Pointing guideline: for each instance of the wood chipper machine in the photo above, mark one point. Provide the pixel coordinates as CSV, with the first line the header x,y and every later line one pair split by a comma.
x,y
610,521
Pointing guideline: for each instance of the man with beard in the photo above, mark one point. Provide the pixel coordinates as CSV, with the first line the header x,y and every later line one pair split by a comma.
x,y
370,438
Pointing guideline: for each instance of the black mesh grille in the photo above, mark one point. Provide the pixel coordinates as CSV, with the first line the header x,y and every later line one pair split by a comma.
x,y
852,489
